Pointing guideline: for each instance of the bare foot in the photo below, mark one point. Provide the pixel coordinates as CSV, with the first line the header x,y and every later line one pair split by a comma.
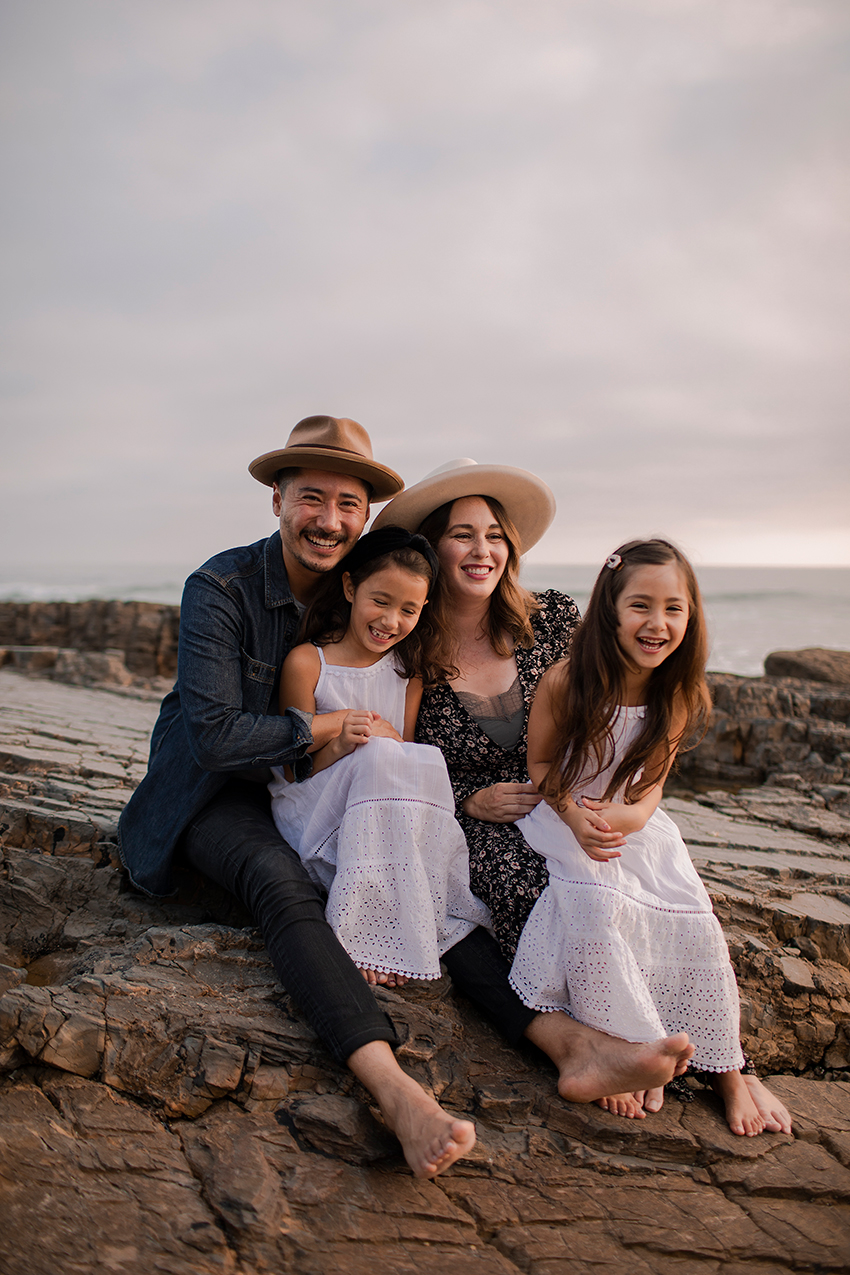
x,y
430,1137
593,1065
742,1114
776,1116
653,1099
623,1104
374,977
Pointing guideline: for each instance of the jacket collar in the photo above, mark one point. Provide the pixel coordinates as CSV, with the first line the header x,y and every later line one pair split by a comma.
x,y
278,592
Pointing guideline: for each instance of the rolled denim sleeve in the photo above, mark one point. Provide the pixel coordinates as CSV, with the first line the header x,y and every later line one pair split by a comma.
x,y
226,692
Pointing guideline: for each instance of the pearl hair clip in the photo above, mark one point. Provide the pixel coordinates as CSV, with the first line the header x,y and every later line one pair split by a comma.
x,y
614,561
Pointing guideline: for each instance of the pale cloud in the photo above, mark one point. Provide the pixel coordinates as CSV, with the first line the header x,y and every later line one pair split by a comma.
x,y
604,240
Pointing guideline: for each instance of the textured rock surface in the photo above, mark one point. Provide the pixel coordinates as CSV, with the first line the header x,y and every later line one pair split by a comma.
x,y
792,733
163,1105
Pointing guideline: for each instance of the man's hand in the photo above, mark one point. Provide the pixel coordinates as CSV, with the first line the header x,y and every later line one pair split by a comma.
x,y
501,803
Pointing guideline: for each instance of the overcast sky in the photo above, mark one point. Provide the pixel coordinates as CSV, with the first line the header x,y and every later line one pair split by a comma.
x,y
605,241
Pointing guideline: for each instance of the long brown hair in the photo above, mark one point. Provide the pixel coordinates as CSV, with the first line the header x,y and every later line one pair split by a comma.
x,y
326,618
595,685
511,606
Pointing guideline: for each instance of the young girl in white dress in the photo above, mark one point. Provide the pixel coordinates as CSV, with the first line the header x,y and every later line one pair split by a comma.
x,y
374,824
623,937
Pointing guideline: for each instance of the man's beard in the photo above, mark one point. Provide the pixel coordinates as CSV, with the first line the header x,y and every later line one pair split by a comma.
x,y
298,546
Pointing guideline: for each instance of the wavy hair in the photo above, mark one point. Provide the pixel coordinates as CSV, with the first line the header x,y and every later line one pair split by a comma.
x,y
595,685
511,606
326,618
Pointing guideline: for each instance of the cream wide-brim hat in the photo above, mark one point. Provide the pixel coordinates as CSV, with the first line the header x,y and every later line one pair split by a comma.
x,y
527,500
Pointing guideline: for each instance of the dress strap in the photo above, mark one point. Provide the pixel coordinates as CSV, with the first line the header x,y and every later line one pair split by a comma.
x,y
322,661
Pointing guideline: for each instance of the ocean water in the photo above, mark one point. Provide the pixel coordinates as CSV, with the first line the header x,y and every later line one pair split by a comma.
x,y
751,610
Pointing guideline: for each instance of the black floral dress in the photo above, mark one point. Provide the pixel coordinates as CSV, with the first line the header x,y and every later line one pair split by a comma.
x,y
503,869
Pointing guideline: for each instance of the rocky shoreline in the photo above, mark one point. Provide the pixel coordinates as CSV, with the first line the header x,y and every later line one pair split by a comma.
x,y
164,1105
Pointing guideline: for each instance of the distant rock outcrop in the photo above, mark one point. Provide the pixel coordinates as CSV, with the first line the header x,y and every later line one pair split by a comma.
x,y
775,730
143,634
812,664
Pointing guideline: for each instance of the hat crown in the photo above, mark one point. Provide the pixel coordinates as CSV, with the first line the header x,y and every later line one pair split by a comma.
x,y
339,434
333,443
461,463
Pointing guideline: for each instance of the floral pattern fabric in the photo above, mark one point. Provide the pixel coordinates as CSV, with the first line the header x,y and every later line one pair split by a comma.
x,y
504,872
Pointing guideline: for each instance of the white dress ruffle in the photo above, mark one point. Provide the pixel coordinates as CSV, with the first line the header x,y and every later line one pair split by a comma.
x,y
630,946
377,831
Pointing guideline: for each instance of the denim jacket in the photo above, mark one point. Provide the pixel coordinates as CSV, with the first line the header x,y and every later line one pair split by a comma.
x,y
238,620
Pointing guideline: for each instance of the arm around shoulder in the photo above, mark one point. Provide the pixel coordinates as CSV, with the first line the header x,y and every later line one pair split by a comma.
x,y
224,690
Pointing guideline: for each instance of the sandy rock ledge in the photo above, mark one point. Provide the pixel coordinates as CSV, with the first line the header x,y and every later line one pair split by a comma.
x,y
164,1107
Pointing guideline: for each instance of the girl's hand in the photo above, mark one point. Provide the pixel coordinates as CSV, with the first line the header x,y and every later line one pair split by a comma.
x,y
357,728
501,803
626,818
592,832
384,729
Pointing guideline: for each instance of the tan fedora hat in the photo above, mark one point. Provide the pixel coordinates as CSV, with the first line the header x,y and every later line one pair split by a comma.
x,y
328,442
527,500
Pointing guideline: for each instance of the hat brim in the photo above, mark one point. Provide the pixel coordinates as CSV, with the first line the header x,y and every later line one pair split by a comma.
x,y
385,482
527,500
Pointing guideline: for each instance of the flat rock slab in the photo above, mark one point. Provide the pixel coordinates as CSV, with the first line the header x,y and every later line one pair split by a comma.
x,y
69,759
164,1106
723,838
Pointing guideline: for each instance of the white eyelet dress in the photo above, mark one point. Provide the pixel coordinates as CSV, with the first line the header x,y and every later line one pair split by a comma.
x,y
377,831
630,946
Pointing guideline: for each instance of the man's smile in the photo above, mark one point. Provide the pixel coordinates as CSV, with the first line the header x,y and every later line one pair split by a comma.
x,y
321,540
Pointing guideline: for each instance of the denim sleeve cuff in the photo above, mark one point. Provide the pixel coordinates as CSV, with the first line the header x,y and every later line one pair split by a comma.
x,y
302,738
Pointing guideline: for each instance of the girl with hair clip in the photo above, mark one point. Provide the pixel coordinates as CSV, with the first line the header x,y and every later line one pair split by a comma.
x,y
374,824
623,937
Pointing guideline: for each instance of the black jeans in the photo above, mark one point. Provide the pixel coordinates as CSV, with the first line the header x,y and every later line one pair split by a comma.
x,y
235,843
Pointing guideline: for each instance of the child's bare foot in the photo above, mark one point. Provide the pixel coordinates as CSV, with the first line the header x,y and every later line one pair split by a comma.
x,y
742,1115
374,977
776,1117
653,1099
623,1104
593,1065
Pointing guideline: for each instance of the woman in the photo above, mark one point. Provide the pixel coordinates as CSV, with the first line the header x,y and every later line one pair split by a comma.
x,y
504,639
480,519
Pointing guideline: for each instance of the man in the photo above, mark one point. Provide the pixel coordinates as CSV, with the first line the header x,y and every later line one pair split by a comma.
x,y
204,797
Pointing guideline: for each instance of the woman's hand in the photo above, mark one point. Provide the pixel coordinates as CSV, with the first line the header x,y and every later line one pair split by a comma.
x,y
501,803
593,833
